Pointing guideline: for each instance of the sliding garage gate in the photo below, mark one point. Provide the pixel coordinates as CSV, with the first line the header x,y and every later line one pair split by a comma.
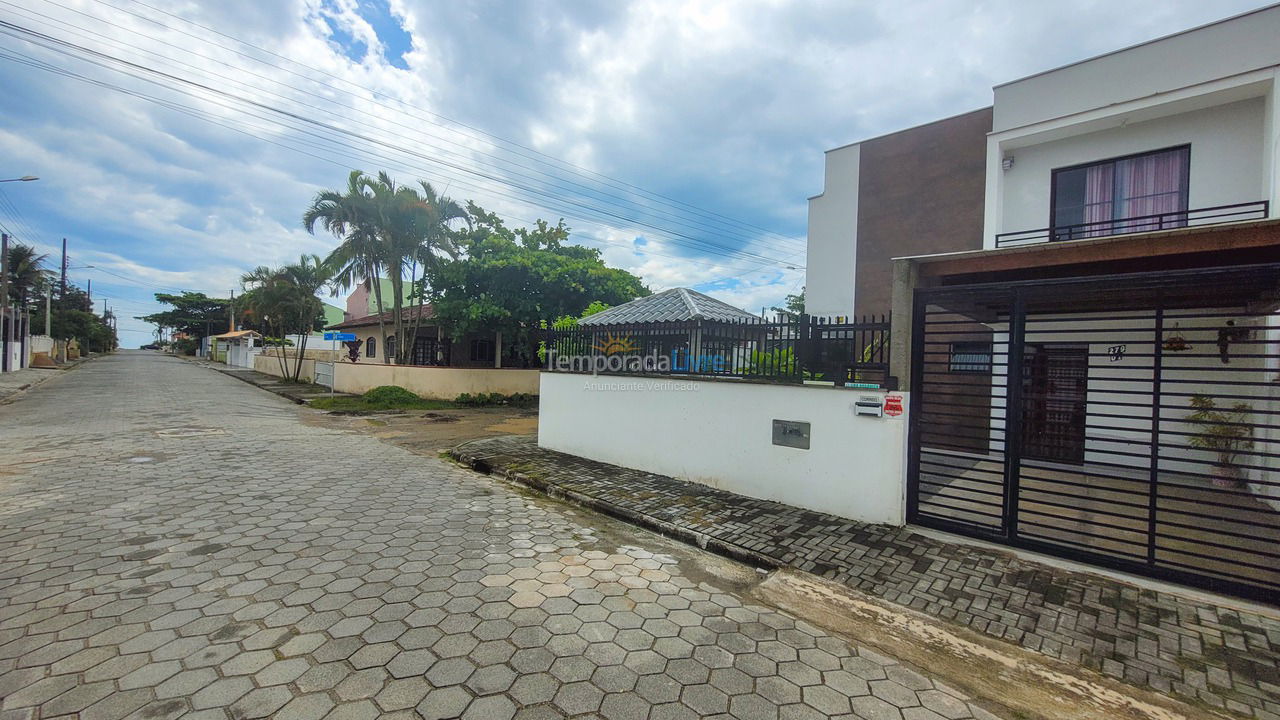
x,y
1130,421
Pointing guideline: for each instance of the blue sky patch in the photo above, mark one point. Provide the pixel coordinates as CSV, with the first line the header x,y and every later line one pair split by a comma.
x,y
396,41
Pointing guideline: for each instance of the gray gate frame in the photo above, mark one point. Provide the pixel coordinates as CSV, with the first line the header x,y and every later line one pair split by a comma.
x,y
1008,534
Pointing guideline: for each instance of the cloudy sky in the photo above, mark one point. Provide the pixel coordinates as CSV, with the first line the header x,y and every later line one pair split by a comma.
x,y
178,142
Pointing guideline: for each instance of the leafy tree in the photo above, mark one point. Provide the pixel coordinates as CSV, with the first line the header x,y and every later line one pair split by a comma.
x,y
195,314
794,304
283,301
386,227
93,332
515,281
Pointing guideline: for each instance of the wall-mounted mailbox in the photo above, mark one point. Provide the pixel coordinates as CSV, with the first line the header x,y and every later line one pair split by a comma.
x,y
791,433
869,405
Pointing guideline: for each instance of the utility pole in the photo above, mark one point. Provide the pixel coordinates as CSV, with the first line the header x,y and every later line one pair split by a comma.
x,y
48,310
88,294
5,321
62,292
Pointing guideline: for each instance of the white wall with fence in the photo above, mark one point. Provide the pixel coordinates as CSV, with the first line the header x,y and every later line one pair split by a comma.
x,y
722,434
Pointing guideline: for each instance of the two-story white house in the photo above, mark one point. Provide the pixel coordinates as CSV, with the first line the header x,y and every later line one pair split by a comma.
x,y
1095,372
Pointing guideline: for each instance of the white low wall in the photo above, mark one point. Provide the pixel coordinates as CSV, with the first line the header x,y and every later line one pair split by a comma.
x,y
270,365
720,433
435,383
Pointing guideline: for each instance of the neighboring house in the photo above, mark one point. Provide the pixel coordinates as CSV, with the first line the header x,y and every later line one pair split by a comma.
x,y
333,314
1128,274
680,336
363,302
432,345
237,348
910,192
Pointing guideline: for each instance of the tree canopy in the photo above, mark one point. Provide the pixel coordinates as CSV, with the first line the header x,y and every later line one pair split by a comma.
x,y
517,280
385,227
193,313
282,301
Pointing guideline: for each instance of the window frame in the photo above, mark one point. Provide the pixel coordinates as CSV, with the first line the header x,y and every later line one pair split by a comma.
x,y
1056,172
970,367
371,347
477,343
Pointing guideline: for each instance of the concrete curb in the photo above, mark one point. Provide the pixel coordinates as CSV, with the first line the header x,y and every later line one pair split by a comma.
x,y
732,551
248,379
49,375
273,391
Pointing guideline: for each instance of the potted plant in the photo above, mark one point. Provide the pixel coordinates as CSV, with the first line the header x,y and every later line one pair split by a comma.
x,y
1222,431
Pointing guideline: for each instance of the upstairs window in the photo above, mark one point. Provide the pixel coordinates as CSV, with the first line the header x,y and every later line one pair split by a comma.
x,y
1138,193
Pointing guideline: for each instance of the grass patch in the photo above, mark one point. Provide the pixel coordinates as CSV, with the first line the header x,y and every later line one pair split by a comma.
x,y
361,404
388,398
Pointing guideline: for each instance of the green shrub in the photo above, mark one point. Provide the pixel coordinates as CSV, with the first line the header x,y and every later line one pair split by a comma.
x,y
494,399
390,395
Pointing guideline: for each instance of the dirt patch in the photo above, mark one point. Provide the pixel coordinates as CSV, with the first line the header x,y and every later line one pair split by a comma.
x,y
428,433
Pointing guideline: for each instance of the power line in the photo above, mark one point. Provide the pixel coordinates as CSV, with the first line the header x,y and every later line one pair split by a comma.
x,y
190,87
555,180
188,110
176,106
474,131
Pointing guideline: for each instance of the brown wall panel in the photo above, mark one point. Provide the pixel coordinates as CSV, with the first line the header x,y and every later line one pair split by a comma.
x,y
920,192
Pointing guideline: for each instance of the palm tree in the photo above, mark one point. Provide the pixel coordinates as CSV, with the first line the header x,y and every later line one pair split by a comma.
x,y
285,300
27,274
386,227
351,216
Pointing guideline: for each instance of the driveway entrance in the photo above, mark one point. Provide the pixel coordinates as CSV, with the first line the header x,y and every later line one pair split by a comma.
x,y
1144,434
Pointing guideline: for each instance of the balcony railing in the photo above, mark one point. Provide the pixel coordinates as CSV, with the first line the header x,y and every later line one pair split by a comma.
x,y
1217,215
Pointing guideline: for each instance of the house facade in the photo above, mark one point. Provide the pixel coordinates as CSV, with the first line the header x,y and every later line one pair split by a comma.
x,y
432,347
910,192
1101,380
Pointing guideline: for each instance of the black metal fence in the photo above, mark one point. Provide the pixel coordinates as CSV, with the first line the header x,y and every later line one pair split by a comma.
x,y
1239,212
793,349
1131,421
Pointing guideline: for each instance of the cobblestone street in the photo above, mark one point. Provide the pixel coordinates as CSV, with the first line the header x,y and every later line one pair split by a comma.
x,y
176,543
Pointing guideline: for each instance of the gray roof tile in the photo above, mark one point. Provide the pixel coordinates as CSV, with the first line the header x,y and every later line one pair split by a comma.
x,y
669,306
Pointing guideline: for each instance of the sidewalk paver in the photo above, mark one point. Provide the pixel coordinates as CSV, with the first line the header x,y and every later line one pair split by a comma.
x,y
1225,657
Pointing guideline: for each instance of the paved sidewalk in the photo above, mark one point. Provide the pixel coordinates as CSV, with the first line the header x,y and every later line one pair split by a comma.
x,y
1223,657
300,393
19,381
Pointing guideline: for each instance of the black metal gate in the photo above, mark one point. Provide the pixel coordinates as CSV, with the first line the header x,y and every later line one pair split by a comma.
x,y
1142,433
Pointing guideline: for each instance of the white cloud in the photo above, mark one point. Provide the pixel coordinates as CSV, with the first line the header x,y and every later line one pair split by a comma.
x,y
723,104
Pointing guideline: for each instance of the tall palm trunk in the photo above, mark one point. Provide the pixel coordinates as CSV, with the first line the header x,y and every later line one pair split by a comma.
x,y
302,351
382,323
397,287
422,298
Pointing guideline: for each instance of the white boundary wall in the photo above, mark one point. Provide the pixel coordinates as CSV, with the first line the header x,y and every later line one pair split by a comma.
x,y
720,433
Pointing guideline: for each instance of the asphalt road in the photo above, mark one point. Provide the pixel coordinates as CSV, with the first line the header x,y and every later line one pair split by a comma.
x,y
176,543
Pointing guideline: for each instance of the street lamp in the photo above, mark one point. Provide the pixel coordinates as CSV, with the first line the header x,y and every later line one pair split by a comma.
x,y
24,178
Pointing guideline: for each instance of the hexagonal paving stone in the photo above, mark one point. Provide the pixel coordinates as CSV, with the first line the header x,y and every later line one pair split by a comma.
x,y
578,697
221,692
705,699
